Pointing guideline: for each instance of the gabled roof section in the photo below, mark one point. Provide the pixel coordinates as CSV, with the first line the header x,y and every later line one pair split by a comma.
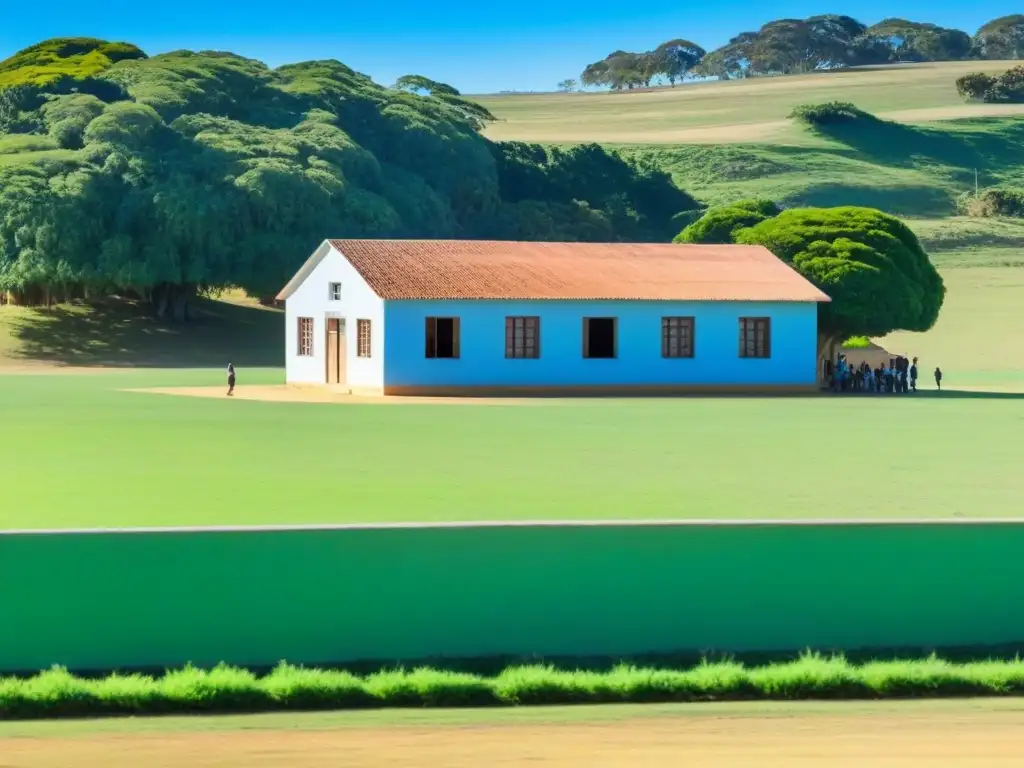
x,y
305,270
490,269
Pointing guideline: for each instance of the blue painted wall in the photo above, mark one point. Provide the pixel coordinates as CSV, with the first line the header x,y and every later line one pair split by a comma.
x,y
639,362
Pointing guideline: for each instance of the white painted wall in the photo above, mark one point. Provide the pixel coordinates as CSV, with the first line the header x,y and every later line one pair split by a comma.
x,y
358,302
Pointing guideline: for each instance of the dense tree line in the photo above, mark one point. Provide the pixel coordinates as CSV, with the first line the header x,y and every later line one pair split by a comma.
x,y
188,172
795,46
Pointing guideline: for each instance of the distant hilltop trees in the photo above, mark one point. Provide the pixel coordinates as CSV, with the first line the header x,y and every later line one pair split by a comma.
x,y
798,46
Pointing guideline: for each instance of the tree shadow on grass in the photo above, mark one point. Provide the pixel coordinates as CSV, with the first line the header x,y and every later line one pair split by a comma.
x,y
125,334
915,200
973,145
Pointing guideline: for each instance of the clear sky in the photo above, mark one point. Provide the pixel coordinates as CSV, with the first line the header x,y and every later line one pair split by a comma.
x,y
475,45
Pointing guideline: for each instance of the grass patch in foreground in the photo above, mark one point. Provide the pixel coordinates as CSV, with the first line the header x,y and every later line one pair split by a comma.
x,y
57,693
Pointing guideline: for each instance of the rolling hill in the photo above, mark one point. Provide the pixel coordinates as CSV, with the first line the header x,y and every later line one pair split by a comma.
x,y
738,111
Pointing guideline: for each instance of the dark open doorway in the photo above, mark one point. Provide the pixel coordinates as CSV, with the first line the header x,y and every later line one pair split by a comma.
x,y
443,337
599,337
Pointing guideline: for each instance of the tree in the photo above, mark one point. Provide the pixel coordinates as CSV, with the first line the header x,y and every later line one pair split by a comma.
x,y
788,46
674,59
871,265
568,86
917,41
1001,38
718,226
424,85
192,172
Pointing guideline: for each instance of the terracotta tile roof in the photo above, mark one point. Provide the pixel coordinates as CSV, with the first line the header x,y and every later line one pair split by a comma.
x,y
476,269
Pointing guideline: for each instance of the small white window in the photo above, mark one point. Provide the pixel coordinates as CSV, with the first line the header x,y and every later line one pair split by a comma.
x,y
335,291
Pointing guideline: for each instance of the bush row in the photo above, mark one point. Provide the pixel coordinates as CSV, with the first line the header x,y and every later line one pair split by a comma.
x,y
1007,88
57,693
992,203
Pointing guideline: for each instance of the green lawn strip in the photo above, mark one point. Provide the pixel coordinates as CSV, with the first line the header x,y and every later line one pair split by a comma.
x,y
503,716
596,460
57,693
579,459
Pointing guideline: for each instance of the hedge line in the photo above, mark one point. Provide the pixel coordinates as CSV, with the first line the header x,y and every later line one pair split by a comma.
x,y
57,693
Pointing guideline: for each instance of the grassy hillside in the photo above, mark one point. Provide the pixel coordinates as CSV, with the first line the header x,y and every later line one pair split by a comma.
x,y
909,170
120,333
738,111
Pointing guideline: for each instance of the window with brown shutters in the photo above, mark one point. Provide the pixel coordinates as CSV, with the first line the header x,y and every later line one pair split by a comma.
x,y
677,336
755,337
305,336
442,337
362,338
522,338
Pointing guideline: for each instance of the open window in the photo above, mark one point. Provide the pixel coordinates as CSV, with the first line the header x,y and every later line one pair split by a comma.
x,y
600,337
442,337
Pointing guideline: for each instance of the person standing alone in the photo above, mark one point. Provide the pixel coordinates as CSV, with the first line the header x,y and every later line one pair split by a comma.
x,y
938,378
231,379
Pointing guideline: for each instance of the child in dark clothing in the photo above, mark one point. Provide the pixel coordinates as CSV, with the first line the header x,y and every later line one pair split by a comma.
x,y
938,378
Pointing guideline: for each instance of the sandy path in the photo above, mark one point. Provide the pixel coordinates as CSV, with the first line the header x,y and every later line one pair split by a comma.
x,y
295,394
989,739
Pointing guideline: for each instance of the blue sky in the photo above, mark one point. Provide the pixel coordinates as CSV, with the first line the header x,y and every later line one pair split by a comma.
x,y
475,46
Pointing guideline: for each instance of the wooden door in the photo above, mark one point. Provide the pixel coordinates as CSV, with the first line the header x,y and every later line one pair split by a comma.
x,y
336,351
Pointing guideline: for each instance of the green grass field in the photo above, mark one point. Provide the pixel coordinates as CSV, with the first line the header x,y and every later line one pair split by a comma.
x,y
738,111
93,455
90,454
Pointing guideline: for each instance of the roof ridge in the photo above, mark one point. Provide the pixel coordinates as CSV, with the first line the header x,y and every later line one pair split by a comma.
x,y
424,269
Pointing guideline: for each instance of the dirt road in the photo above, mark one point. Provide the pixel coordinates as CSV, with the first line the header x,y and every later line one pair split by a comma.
x,y
947,739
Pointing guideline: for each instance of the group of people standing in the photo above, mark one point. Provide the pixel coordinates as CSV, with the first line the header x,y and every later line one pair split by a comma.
x,y
898,376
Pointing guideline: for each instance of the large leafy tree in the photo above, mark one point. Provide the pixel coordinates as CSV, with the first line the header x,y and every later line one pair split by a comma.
x,y
169,176
676,58
788,46
870,264
1001,38
919,41
672,60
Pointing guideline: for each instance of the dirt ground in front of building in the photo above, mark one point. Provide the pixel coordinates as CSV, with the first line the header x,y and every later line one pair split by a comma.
x,y
989,739
298,394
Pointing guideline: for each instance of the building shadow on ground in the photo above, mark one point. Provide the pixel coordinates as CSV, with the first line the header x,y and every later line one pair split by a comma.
x,y
968,394
126,334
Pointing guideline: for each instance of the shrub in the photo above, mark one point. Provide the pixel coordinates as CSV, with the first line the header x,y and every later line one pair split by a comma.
x,y
57,693
993,203
1007,88
830,113
975,85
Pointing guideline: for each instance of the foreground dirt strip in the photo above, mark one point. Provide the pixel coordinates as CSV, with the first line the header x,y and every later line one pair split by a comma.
x,y
989,739
294,394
